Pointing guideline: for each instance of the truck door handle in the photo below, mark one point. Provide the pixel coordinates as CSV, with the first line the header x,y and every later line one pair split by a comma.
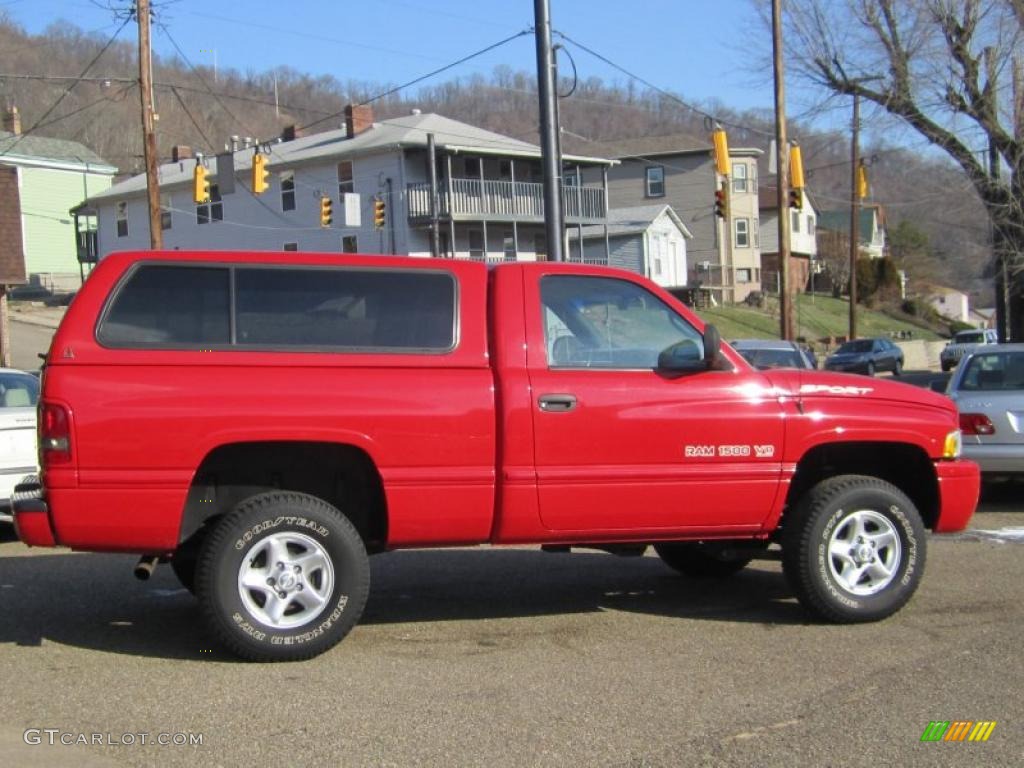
x,y
557,403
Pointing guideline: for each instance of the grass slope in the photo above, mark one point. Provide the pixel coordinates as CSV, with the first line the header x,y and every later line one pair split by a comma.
x,y
816,317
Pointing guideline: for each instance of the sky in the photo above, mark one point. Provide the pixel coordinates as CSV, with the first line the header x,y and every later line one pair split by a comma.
x,y
705,51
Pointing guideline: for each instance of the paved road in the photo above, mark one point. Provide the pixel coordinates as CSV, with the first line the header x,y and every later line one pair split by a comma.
x,y
27,341
475,657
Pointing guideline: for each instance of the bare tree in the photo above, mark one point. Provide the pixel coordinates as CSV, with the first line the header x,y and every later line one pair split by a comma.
x,y
953,70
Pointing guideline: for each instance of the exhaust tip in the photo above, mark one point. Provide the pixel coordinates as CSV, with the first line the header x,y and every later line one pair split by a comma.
x,y
145,567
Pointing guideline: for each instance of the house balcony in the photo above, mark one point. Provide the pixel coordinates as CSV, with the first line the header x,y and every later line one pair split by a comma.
x,y
475,199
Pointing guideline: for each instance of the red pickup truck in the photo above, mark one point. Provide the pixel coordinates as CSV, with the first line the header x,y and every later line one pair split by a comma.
x,y
264,422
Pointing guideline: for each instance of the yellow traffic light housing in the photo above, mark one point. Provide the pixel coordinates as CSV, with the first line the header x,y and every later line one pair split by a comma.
x,y
722,164
326,213
379,213
200,184
796,167
722,201
862,181
260,174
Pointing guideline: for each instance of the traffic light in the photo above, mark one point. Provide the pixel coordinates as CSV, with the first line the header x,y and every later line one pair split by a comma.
x,y
721,143
379,213
260,174
862,181
722,201
796,167
796,197
325,211
200,184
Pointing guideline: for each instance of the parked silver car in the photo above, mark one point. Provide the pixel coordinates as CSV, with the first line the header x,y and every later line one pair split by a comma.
x,y
988,387
773,353
19,392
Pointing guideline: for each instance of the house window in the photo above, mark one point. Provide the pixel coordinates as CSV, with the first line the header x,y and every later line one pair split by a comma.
x,y
810,225
122,219
505,169
287,190
739,177
655,181
349,244
165,213
743,275
795,216
291,246
757,233
212,210
476,244
346,184
742,233
472,167
509,245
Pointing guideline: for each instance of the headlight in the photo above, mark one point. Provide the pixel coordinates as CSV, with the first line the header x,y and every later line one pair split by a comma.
x,y
952,446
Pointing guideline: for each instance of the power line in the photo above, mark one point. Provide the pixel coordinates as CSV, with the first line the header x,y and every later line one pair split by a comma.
x,y
427,76
66,91
167,33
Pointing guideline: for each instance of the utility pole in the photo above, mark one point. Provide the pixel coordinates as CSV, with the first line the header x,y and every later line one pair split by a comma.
x,y
550,159
854,213
782,163
156,239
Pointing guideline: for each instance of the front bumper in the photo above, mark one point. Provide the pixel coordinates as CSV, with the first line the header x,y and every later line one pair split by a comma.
x,y
959,488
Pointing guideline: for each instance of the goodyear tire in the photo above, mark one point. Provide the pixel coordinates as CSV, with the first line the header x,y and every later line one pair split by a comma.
x,y
283,577
701,560
853,550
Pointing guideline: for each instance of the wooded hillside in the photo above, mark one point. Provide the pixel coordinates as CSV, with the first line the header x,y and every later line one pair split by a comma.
x,y
948,242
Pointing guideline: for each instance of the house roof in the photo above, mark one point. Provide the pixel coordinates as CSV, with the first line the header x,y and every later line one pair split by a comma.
x,y
401,132
631,221
839,221
15,147
656,146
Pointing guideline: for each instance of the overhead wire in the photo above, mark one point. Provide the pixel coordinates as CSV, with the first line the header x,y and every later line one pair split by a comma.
x,y
67,90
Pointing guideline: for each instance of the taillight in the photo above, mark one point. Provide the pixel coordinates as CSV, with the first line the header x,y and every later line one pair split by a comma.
x,y
976,424
54,434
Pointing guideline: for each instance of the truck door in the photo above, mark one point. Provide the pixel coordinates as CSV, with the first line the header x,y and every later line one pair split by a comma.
x,y
622,445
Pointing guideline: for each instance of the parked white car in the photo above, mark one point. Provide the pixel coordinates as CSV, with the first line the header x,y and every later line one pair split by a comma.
x,y
19,392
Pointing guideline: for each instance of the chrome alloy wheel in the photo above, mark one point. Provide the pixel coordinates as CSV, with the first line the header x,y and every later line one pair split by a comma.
x,y
285,580
864,552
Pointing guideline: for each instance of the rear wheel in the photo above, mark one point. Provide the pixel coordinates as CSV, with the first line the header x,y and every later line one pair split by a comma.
x,y
703,560
898,368
854,549
283,577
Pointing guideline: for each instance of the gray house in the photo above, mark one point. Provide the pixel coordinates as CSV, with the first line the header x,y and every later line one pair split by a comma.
x,y
490,203
678,170
648,239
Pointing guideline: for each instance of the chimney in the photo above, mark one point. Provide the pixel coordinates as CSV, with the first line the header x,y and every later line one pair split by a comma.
x,y
12,121
358,118
291,132
180,152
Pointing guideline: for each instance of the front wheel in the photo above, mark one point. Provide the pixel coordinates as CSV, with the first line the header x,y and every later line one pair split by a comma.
x,y
702,560
283,577
854,549
898,368
871,369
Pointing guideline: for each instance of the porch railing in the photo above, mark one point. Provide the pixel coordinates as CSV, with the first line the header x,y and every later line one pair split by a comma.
x,y
504,199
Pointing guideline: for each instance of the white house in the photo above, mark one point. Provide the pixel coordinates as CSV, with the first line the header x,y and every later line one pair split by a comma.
x,y
489,195
647,239
950,303
803,241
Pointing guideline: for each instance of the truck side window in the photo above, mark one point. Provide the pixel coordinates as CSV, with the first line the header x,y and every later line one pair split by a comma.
x,y
169,306
603,322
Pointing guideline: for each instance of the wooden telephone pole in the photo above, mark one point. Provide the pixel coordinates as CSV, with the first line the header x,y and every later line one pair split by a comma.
x,y
786,329
156,239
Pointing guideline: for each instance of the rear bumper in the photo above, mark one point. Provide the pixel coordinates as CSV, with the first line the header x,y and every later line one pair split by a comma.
x,y
959,488
32,520
996,458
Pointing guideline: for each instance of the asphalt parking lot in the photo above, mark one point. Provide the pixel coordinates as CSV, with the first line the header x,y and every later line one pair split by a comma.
x,y
515,657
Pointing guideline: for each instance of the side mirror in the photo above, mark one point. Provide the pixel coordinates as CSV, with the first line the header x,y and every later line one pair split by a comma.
x,y
685,357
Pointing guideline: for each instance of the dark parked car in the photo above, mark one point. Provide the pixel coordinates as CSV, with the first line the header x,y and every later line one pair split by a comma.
x,y
866,356
988,388
773,353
